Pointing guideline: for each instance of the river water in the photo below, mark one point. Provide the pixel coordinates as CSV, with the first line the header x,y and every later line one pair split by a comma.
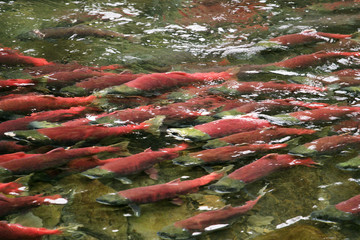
x,y
192,36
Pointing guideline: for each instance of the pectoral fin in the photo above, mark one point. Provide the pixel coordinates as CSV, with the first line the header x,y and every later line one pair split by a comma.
x,y
136,209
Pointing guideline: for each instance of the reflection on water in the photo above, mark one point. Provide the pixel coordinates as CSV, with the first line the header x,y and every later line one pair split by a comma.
x,y
145,36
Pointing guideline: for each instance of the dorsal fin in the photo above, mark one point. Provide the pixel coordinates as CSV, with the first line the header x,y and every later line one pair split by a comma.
x,y
174,181
56,150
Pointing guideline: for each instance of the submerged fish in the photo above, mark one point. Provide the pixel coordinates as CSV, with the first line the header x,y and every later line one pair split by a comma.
x,y
352,164
149,194
9,231
11,205
206,221
136,163
12,57
13,188
262,167
345,211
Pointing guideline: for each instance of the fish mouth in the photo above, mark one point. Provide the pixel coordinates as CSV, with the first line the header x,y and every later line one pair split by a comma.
x,y
113,199
227,185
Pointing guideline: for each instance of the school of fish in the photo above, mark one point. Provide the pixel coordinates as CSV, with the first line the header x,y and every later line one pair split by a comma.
x,y
237,128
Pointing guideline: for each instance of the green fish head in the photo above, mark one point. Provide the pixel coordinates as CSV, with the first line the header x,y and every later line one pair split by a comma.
x,y
351,165
74,91
330,213
227,185
97,172
113,199
188,161
4,173
29,135
232,112
215,143
122,90
302,150
172,232
190,133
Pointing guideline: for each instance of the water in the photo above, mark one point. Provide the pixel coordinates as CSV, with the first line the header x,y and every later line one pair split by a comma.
x,y
191,36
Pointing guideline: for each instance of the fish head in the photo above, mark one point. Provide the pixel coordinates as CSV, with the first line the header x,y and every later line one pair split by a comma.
x,y
227,185
303,151
215,143
98,172
73,91
350,165
190,133
113,199
331,213
188,161
4,173
173,232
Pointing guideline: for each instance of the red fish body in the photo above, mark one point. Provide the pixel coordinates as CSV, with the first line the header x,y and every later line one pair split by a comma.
x,y
10,231
329,113
13,188
11,205
206,221
13,156
348,210
307,36
27,103
159,81
11,146
220,128
257,136
12,57
262,167
327,145
224,154
313,59
238,88
50,116
133,164
54,158
73,134
154,193
4,84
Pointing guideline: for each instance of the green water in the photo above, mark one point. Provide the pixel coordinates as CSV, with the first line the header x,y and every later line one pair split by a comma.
x,y
172,35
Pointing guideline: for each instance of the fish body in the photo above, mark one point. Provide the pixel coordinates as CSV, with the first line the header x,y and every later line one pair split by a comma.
x,y
159,192
12,57
133,164
158,81
224,154
11,146
264,166
73,134
257,136
13,188
326,144
206,221
220,128
10,231
54,158
5,84
11,205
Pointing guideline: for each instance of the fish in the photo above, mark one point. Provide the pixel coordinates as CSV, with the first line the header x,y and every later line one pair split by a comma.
x,y
257,136
219,128
13,188
326,145
10,231
352,164
54,158
69,32
11,146
329,113
73,134
27,103
224,154
308,60
98,83
268,106
10,57
8,83
154,193
345,211
16,155
151,83
307,36
122,167
22,123
262,167
205,222
235,88
11,205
